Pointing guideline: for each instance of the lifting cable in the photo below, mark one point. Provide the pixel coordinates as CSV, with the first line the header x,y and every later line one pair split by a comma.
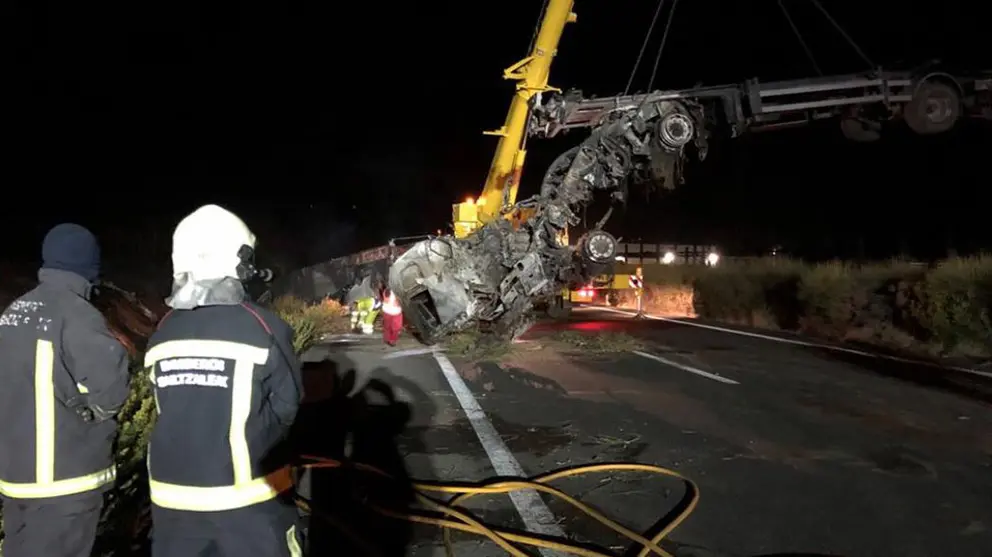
x,y
661,47
451,515
843,33
799,37
537,27
644,46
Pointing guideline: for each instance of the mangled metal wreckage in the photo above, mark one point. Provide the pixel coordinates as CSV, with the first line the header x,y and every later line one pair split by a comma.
x,y
496,277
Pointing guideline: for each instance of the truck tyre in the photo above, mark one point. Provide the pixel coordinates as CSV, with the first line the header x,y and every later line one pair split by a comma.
x,y
934,108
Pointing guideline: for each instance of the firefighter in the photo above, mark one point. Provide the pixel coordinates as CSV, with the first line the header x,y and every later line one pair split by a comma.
x,y
392,318
64,378
227,387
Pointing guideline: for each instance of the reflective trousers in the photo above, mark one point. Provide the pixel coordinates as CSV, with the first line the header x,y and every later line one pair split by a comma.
x,y
269,529
55,527
391,327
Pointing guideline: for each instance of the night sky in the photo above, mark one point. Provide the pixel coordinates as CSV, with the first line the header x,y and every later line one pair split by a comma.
x,y
331,129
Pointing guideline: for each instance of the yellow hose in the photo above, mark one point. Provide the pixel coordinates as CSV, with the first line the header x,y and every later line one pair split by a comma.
x,y
508,540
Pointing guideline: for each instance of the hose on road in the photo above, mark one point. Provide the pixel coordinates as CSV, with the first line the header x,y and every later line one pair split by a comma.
x,y
453,518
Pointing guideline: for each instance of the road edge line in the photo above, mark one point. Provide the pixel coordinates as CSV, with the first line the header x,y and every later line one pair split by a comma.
x,y
687,368
536,515
808,344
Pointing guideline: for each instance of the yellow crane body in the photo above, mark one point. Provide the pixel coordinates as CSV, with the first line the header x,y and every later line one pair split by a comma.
x,y
531,77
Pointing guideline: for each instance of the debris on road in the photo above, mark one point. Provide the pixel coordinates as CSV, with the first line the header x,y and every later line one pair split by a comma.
x,y
604,342
474,346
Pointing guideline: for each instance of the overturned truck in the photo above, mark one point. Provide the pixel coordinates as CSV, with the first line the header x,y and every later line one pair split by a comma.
x,y
498,275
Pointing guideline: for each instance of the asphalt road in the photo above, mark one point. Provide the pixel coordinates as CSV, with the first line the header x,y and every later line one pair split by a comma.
x,y
797,450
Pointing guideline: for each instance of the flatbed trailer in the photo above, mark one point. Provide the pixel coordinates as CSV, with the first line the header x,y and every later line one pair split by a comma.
x,y
928,99
333,278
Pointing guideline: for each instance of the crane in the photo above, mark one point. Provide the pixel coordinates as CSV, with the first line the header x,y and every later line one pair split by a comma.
x,y
499,193
506,257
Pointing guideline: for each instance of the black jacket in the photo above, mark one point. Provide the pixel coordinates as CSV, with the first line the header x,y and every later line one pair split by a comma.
x,y
58,359
227,386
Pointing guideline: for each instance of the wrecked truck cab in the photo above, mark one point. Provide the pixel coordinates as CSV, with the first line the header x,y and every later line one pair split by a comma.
x,y
434,286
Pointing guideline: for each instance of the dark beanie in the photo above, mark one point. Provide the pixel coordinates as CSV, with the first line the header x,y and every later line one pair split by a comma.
x,y
71,247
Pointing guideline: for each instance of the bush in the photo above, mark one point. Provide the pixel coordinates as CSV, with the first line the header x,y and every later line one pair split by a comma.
x,y
954,305
755,293
944,309
126,520
310,322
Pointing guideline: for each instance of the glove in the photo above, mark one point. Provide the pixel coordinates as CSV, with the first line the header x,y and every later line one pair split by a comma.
x,y
91,413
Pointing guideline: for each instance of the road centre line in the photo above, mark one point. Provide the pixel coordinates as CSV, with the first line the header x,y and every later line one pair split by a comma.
x,y
688,368
536,515
796,342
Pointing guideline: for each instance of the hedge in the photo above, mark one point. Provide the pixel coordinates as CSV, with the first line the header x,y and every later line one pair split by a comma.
x,y
944,309
126,522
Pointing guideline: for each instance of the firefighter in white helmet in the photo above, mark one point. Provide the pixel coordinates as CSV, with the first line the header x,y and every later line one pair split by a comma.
x,y
227,387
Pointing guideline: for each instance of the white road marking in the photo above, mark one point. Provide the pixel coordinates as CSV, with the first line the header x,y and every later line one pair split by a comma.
x,y
684,367
536,515
410,352
797,342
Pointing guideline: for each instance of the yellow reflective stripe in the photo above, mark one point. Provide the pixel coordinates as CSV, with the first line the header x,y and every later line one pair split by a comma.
x,y
83,389
240,409
224,498
45,484
70,486
151,377
206,349
292,543
44,412
246,489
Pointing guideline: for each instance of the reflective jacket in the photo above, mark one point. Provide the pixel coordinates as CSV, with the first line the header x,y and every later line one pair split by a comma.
x,y
391,305
62,376
227,387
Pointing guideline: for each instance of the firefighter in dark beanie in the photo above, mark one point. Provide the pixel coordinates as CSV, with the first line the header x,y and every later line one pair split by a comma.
x,y
63,378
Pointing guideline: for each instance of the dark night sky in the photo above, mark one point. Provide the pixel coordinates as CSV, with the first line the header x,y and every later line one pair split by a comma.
x,y
332,128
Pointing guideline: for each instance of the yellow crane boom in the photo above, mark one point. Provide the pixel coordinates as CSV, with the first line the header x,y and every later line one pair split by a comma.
x,y
531,75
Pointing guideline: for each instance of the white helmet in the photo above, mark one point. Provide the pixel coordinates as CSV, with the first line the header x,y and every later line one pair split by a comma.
x,y
205,244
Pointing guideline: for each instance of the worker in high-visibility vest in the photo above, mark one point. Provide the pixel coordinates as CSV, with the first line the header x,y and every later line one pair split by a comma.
x,y
361,300
363,317
392,318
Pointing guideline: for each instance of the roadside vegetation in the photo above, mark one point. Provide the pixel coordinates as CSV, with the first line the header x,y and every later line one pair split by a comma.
x,y
126,520
310,322
941,310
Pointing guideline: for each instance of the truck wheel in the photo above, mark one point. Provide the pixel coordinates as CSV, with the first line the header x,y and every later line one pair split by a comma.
x,y
934,108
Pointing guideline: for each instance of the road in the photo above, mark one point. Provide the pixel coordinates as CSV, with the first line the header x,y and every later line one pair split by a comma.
x,y
797,450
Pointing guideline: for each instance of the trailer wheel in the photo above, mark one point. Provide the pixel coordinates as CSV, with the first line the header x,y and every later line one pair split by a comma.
x,y
934,108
